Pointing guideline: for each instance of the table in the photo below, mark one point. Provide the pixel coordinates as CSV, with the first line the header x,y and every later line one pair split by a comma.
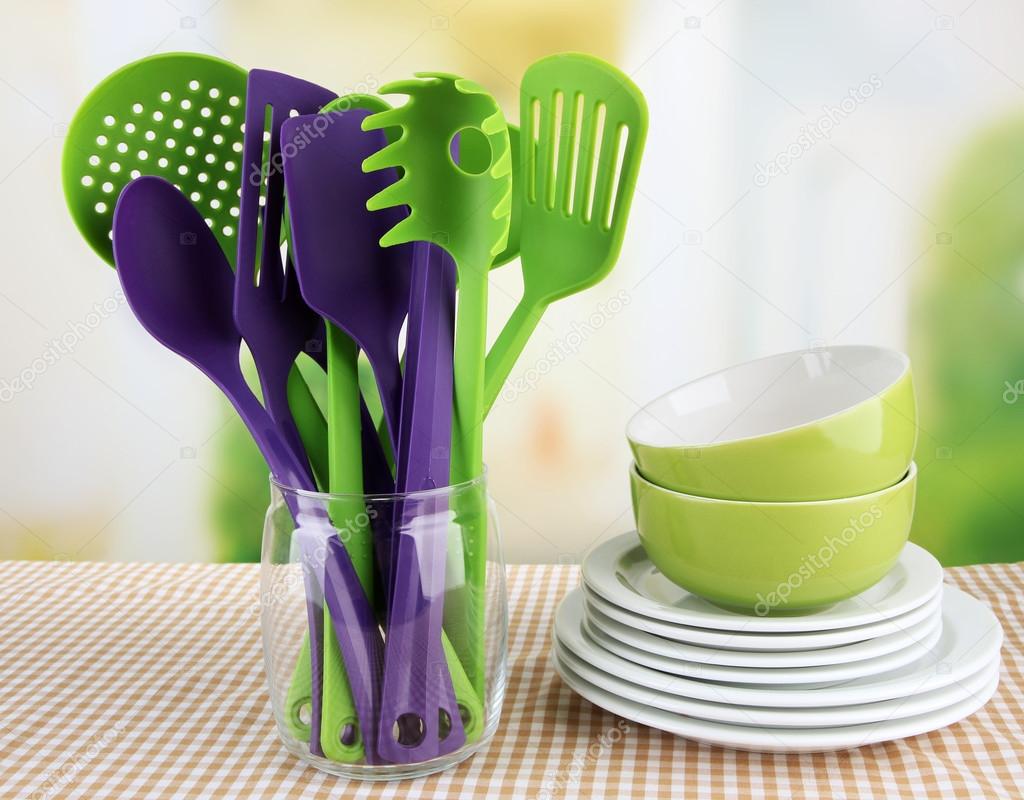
x,y
146,680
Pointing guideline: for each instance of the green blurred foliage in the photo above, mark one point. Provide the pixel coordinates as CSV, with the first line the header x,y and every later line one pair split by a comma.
x,y
967,346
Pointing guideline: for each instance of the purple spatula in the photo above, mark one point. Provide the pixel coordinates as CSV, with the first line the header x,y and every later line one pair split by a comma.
x,y
344,275
179,285
364,289
268,308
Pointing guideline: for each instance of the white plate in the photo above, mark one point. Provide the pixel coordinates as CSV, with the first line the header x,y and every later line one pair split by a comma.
x,y
805,676
620,572
737,640
970,639
778,740
636,634
898,708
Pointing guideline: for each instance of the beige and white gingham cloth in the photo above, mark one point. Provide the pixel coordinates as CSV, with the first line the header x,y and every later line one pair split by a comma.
x,y
145,681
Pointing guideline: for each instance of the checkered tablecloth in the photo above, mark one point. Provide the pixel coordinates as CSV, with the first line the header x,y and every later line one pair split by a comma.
x,y
146,680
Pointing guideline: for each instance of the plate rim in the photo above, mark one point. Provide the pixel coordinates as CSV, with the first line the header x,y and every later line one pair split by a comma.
x,y
982,650
767,641
807,740
754,713
839,653
926,637
612,549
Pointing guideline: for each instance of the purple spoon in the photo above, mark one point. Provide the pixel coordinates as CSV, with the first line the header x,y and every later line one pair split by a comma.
x,y
179,285
268,309
417,684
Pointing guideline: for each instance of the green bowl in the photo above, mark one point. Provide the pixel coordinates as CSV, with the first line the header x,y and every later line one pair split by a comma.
x,y
773,558
811,425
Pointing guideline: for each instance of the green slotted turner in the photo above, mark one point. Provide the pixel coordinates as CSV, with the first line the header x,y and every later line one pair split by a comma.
x,y
465,209
586,122
177,116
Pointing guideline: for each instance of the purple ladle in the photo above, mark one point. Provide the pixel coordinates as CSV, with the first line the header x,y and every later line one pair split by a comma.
x,y
179,284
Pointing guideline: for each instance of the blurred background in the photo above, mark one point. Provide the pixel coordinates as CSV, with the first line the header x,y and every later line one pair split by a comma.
x,y
816,173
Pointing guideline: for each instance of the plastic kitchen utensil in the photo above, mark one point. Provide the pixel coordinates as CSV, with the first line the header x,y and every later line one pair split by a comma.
x,y
174,115
476,149
179,284
269,311
178,116
465,209
362,291
276,323
363,288
583,129
743,555
367,297
283,623
811,425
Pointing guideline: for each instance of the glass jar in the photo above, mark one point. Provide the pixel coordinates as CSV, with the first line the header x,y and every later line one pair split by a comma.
x,y
401,601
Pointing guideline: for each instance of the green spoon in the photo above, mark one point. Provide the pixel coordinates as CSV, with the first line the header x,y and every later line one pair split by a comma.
x,y
177,116
587,122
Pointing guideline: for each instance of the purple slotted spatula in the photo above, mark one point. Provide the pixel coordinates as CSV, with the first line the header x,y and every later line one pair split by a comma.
x,y
268,309
179,285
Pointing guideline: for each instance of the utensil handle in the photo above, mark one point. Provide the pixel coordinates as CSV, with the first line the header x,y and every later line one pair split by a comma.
x,y
311,425
508,347
340,721
422,671
323,568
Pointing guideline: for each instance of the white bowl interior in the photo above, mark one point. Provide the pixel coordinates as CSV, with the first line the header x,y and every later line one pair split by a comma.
x,y
767,396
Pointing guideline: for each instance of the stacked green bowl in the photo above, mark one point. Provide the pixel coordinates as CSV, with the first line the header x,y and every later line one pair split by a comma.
x,y
790,476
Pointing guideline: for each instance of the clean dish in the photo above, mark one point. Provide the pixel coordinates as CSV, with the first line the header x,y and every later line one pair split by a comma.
x,y
819,675
779,740
636,636
810,425
621,572
774,558
970,639
769,642
898,708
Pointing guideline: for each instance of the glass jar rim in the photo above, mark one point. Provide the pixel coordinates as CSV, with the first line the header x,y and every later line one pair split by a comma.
x,y
440,491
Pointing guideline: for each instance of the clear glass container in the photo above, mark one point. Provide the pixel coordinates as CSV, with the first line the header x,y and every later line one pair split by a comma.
x,y
405,596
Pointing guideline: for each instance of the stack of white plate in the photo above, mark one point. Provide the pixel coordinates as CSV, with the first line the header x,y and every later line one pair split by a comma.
x,y
904,657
